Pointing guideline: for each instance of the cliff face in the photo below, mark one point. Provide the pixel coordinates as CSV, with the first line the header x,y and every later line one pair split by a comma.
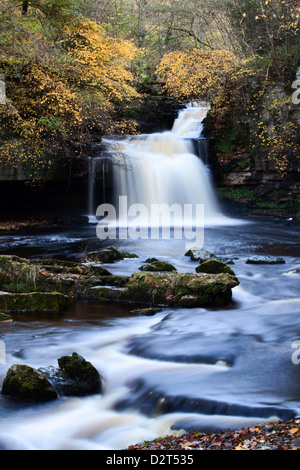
x,y
255,129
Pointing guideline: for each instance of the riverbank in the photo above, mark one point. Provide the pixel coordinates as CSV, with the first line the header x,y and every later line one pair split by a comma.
x,y
281,435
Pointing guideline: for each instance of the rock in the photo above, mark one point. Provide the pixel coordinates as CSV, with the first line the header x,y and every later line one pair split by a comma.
x,y
125,255
171,289
105,293
34,302
158,266
151,260
199,255
4,318
77,376
25,383
109,255
265,260
146,311
214,266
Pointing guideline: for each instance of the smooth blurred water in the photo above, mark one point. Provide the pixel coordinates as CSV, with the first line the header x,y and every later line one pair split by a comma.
x,y
207,369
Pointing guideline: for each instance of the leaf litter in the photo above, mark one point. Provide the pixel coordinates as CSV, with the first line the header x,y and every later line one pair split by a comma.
x,y
281,435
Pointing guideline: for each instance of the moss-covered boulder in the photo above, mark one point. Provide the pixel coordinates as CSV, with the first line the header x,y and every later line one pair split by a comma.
x,y
171,289
109,255
76,377
27,384
158,266
151,260
19,275
34,302
214,266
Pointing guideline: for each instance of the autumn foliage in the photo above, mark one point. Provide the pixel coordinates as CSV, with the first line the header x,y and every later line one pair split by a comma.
x,y
65,89
195,74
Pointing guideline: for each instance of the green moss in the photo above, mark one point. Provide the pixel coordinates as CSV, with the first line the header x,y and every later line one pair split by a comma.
x,y
214,266
34,302
176,289
5,318
76,367
25,383
158,266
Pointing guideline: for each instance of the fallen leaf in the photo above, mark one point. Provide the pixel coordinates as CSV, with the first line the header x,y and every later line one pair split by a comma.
x,y
293,431
239,447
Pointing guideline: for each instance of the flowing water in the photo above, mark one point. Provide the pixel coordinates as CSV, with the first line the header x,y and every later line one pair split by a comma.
x,y
180,369
163,169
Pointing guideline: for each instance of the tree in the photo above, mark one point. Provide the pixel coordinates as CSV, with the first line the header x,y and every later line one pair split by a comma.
x,y
195,74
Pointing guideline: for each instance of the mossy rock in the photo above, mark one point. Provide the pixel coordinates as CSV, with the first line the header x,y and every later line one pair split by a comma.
x,y
25,383
106,293
34,302
5,318
87,379
265,260
171,289
214,266
158,266
109,255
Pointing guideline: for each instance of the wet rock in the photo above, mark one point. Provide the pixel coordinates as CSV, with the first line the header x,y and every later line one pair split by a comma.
x,y
214,266
27,384
149,311
265,260
4,318
158,266
171,289
199,255
76,377
109,255
105,293
34,302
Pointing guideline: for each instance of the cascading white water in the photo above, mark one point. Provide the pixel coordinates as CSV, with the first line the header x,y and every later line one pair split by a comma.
x,y
162,168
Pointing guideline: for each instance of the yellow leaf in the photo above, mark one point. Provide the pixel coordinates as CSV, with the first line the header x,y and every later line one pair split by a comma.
x,y
239,447
293,431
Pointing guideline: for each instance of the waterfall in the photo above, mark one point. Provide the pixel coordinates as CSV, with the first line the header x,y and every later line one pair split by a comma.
x,y
163,168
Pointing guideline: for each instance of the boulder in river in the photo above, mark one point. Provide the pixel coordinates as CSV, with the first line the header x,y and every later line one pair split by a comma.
x,y
171,289
214,266
109,255
74,377
158,266
265,260
200,255
27,384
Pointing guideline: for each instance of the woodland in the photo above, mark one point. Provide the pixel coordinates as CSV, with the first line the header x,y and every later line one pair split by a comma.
x,y
77,70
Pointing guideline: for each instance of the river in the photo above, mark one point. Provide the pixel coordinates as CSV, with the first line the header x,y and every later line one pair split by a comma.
x,y
180,369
